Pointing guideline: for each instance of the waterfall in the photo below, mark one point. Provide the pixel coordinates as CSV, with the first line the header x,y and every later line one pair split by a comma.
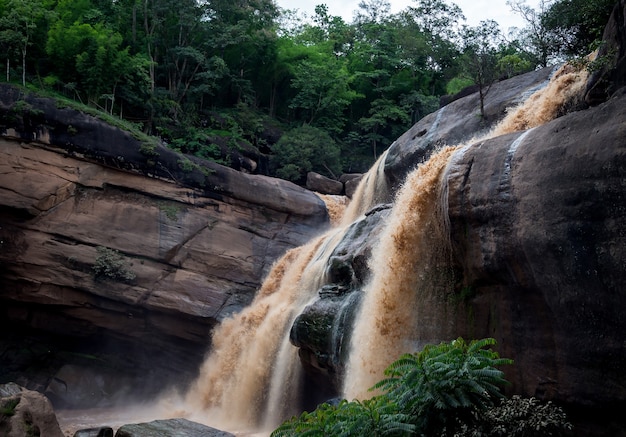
x,y
251,374
252,377
372,190
409,267
564,90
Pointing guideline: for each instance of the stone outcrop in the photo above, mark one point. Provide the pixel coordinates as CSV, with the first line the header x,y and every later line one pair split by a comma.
x,y
541,246
612,58
538,250
195,238
458,122
26,413
170,428
322,184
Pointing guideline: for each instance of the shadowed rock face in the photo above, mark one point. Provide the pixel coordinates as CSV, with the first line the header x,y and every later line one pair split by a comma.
x,y
458,122
198,242
541,244
538,247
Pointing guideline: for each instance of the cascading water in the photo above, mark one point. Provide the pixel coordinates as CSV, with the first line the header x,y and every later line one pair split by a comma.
x,y
411,263
251,378
251,375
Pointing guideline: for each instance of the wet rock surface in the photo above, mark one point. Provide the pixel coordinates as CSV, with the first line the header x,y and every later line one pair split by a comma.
x,y
170,428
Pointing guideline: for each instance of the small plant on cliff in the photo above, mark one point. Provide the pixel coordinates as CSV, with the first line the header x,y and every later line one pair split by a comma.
x,y
7,408
110,264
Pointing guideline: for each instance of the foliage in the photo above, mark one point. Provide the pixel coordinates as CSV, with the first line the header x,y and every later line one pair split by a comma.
x,y
577,24
423,393
172,67
110,264
518,417
445,382
457,84
7,408
305,149
480,45
373,417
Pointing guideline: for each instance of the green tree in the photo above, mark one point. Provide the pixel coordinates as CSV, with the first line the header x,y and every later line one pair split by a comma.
x,y
91,56
322,92
305,149
539,41
577,24
18,26
480,50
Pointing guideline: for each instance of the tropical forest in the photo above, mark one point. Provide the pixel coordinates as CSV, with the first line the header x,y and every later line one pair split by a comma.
x,y
294,91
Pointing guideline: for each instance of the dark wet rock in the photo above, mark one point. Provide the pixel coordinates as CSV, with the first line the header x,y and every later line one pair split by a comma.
x,y
458,122
104,431
538,223
170,428
75,386
604,82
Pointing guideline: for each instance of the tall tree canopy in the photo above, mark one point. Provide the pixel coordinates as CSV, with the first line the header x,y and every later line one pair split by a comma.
x,y
219,78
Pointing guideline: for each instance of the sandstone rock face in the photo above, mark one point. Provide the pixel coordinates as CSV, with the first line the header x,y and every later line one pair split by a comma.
x,y
31,413
197,238
322,184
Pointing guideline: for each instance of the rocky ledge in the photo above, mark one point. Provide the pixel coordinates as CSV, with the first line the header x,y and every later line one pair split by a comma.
x,y
120,255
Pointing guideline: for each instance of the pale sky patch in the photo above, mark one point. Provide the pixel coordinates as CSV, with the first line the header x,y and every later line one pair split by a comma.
x,y
474,10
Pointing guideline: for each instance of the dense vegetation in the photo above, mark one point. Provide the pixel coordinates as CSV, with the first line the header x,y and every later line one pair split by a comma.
x,y
450,389
227,79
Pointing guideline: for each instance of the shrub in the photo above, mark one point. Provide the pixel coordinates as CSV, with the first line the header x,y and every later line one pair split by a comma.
x,y
302,150
7,407
424,393
518,417
373,417
110,264
445,383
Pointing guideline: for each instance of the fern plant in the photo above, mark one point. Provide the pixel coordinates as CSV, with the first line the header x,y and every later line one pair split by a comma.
x,y
446,382
436,391
374,417
319,423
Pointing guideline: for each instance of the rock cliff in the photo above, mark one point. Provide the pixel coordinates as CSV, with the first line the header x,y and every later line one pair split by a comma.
x,y
194,240
537,242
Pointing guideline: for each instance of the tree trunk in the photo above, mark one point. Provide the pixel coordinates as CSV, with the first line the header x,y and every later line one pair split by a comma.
x,y
24,67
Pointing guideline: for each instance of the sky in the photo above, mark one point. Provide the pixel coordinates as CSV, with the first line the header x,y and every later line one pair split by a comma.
x,y
474,10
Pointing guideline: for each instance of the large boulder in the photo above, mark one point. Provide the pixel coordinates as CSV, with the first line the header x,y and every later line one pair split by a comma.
x,y
26,413
113,246
321,184
170,428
